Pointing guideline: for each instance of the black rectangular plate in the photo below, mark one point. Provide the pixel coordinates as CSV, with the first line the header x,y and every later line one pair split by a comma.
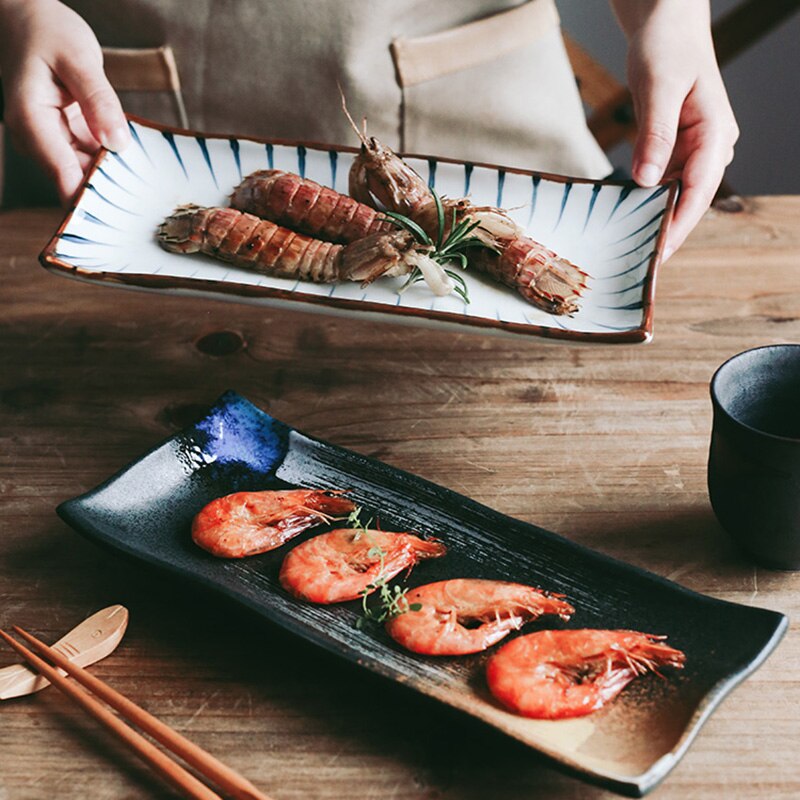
x,y
145,511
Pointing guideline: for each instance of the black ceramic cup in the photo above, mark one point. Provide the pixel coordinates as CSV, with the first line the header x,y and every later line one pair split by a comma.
x,y
754,463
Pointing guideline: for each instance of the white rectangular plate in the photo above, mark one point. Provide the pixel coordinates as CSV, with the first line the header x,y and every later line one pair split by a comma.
x,y
613,230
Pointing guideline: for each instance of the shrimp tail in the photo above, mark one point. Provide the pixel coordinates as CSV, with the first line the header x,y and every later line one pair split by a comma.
x,y
183,231
429,548
392,254
651,655
555,603
543,278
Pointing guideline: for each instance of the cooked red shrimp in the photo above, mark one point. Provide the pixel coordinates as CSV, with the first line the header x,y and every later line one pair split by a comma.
x,y
341,565
247,241
468,615
557,674
380,177
307,207
246,523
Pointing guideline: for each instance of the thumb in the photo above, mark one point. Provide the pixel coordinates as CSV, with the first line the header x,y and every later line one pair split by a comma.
x,y
85,80
659,113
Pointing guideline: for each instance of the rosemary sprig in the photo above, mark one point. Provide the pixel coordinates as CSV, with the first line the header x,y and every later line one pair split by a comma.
x,y
392,599
408,224
443,250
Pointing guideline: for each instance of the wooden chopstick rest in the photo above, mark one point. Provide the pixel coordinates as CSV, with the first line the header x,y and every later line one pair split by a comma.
x,y
93,639
231,782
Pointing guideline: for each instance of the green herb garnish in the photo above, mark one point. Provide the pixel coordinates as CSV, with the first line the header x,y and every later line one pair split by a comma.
x,y
354,521
392,598
453,248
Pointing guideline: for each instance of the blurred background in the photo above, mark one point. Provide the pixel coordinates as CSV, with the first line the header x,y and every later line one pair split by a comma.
x,y
762,78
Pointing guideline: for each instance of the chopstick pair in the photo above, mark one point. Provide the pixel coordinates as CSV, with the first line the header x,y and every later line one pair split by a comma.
x,y
230,782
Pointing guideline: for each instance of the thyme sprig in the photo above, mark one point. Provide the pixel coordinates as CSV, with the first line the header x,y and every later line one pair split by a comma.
x,y
444,250
354,522
392,599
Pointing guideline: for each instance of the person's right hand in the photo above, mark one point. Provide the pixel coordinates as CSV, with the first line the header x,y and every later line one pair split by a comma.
x,y
59,106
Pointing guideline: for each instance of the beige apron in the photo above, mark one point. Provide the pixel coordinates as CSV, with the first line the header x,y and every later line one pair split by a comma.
x,y
484,80
480,80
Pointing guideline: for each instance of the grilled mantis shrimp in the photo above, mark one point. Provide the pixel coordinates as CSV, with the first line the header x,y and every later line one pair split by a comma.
x,y
253,243
558,674
246,523
380,178
463,615
343,564
307,207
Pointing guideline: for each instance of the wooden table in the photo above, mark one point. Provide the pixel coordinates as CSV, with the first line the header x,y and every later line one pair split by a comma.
x,y
605,444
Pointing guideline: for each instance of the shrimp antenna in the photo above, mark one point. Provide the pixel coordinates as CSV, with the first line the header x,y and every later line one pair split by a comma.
x,y
362,135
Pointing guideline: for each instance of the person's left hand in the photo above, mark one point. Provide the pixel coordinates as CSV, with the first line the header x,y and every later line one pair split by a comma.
x,y
687,129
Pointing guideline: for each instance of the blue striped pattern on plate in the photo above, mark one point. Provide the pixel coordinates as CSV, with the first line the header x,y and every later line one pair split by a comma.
x,y
609,229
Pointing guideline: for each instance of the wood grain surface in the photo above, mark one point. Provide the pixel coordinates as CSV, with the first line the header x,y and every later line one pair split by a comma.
x,y
606,445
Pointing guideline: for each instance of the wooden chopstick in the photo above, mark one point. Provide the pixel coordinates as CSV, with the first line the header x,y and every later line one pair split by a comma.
x,y
227,779
148,752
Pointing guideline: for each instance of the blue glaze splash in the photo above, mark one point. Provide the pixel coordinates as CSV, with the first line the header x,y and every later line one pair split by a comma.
x,y
116,183
235,435
124,164
628,270
564,198
171,141
636,306
73,237
137,139
206,157
623,195
501,179
634,286
92,188
467,177
657,193
234,143
534,192
595,191
89,217
431,173
641,244
332,157
646,225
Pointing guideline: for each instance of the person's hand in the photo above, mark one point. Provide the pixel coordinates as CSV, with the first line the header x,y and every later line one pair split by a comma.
x,y
59,106
686,126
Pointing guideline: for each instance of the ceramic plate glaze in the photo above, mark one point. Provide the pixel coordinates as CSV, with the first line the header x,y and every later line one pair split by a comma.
x,y
145,511
613,230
